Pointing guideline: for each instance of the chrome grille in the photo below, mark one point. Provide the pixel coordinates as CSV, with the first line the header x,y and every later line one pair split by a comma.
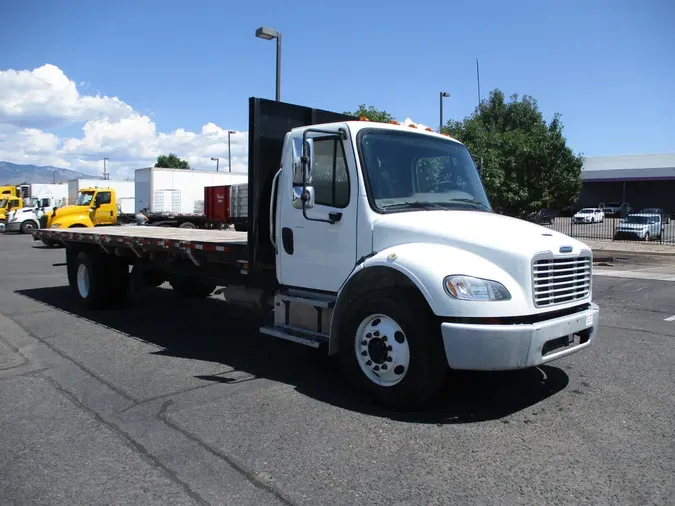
x,y
561,280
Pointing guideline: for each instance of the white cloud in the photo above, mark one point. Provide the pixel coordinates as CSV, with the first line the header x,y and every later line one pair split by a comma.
x,y
33,102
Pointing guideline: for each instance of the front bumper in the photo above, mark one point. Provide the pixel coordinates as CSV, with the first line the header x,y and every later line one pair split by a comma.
x,y
13,227
483,347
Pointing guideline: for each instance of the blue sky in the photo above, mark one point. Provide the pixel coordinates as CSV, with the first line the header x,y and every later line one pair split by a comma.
x,y
607,67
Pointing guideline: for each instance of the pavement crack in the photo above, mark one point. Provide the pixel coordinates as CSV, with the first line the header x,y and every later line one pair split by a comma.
x,y
157,397
78,364
162,416
133,444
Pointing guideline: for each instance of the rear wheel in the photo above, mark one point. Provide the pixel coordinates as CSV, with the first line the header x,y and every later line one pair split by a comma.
x,y
391,348
97,281
187,224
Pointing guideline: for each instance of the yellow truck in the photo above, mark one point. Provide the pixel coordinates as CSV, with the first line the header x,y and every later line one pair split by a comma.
x,y
10,199
94,207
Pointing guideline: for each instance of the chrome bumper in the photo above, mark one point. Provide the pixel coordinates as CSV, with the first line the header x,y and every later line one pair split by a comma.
x,y
504,347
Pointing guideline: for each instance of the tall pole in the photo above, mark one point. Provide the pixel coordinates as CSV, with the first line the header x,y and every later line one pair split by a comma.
x,y
443,94
478,79
217,160
278,67
270,34
440,123
229,150
105,168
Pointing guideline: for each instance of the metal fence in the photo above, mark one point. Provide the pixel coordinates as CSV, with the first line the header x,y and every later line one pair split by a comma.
x,y
631,228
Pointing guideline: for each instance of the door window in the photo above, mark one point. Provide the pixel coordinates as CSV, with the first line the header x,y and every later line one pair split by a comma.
x,y
330,177
103,198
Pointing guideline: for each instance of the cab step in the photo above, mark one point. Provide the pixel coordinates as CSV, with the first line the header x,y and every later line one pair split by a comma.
x,y
309,298
297,335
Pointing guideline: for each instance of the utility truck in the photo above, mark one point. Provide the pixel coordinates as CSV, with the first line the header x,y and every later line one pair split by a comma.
x,y
374,241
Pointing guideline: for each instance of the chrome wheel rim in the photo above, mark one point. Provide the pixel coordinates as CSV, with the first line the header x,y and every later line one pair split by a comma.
x,y
83,281
382,350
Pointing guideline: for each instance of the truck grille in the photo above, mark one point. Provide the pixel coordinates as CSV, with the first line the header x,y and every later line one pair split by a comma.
x,y
561,280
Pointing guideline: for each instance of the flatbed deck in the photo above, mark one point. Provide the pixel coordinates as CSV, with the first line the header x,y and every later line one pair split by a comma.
x,y
148,238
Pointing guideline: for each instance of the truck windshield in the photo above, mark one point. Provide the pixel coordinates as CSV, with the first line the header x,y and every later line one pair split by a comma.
x,y
412,171
84,199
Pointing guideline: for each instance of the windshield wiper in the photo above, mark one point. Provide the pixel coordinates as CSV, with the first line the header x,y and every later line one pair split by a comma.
x,y
413,205
472,201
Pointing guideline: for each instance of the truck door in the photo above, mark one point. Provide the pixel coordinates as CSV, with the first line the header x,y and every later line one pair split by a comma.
x,y
105,209
312,253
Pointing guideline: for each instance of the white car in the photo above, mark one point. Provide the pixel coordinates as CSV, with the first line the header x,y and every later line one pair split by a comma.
x,y
589,215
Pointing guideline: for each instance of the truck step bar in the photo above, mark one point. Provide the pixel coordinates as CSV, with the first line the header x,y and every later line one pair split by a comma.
x,y
296,335
309,298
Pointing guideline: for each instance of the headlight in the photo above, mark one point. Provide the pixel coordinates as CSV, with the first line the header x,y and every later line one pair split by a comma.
x,y
468,288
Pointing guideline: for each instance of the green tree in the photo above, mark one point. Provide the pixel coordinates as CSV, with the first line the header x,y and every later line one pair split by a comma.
x,y
171,162
371,113
527,164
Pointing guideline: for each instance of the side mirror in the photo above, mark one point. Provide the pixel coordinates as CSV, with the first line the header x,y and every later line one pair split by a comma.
x,y
308,197
307,160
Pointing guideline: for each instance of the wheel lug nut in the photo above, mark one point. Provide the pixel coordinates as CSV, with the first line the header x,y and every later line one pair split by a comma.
x,y
369,363
389,359
389,348
376,333
364,353
376,368
369,335
384,338
364,342
384,367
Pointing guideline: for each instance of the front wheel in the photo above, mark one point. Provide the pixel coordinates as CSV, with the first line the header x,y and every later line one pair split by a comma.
x,y
27,227
391,348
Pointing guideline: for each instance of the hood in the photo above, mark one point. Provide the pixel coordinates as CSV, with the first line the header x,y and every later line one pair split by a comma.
x,y
62,212
500,239
633,226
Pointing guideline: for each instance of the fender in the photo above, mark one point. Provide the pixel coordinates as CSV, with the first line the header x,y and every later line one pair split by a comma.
x,y
424,266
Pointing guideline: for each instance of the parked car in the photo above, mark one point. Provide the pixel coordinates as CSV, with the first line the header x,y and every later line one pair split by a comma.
x,y
640,226
655,210
542,217
616,209
589,215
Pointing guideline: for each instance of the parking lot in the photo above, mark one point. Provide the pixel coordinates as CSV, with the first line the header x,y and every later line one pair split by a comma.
x,y
168,402
604,230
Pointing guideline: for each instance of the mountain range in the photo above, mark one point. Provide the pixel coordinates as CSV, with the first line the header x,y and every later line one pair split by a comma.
x,y
14,174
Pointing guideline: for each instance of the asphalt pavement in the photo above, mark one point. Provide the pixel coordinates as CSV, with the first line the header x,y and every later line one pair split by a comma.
x,y
168,402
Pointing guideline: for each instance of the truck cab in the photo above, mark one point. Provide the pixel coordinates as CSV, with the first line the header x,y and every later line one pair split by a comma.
x,y
390,228
94,207
8,204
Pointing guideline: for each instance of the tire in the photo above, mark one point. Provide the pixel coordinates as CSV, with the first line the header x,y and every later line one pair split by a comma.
x,y
27,227
187,224
98,282
192,288
419,353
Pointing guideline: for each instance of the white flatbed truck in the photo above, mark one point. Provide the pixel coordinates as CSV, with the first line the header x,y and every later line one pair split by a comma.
x,y
375,240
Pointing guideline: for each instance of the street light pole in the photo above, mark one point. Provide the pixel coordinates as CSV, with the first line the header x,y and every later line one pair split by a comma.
x,y
229,149
444,94
217,160
269,34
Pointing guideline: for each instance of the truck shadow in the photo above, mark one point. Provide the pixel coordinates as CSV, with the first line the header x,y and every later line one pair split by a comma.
x,y
211,330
